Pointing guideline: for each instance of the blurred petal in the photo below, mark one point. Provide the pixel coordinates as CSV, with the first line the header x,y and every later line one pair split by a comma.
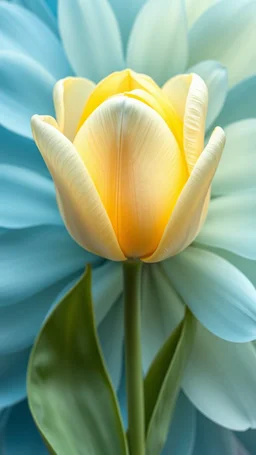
x,y
183,428
129,150
70,96
240,103
188,213
236,171
162,310
111,334
25,89
226,32
35,258
26,199
158,42
248,439
13,377
218,294
20,151
126,12
231,223
21,436
212,439
24,33
91,226
42,9
220,380
195,8
92,23
188,95
216,78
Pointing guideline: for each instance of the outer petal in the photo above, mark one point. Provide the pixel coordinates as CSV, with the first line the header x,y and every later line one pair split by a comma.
x,y
126,12
162,310
13,377
237,170
136,166
220,380
26,198
182,434
212,439
44,9
24,33
92,23
195,8
70,96
189,98
231,224
216,78
240,103
90,226
248,439
21,435
218,294
221,33
25,88
158,42
188,213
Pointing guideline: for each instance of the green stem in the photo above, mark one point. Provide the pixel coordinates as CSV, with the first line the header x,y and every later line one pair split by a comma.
x,y
133,357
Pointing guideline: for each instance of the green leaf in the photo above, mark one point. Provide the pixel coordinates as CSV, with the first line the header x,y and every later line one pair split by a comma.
x,y
69,390
162,383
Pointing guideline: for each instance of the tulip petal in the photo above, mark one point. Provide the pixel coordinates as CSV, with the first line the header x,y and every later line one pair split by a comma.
x,y
92,23
13,377
26,199
212,439
220,380
189,98
111,334
25,88
79,202
231,224
188,214
218,294
162,311
216,79
70,96
135,164
240,103
237,171
221,32
21,436
24,33
158,42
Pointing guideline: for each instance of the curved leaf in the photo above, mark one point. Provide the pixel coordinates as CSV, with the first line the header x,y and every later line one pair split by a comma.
x,y
162,383
70,394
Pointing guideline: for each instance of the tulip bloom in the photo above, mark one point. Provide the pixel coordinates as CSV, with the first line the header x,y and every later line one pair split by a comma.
x,y
128,161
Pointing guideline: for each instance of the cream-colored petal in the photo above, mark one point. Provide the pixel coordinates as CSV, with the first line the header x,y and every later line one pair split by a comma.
x,y
136,165
188,95
70,96
189,211
80,205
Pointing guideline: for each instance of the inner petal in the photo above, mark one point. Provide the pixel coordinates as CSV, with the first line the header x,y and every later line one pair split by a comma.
x,y
137,168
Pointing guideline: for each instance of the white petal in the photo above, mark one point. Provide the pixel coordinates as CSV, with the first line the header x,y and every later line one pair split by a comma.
x,y
158,41
91,37
226,32
80,205
195,8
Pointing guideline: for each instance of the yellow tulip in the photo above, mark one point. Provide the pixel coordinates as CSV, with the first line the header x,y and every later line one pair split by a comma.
x,y
128,161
